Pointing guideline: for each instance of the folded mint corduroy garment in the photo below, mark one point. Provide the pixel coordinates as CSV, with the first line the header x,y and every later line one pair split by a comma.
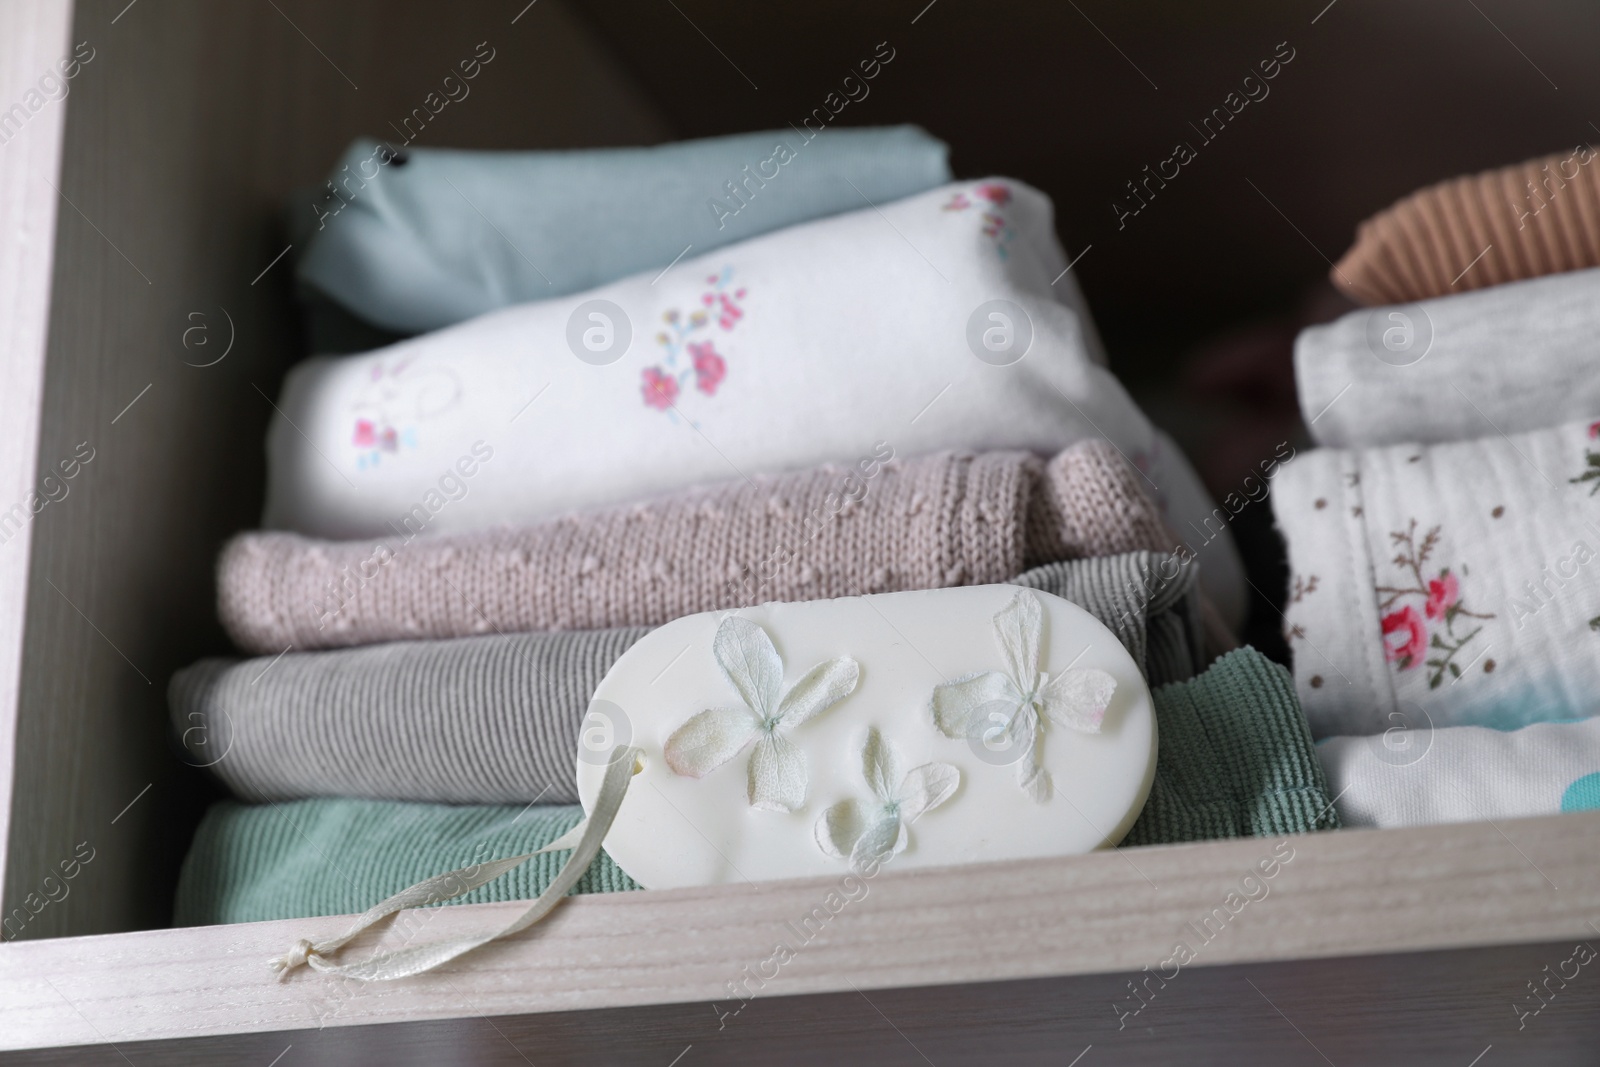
x,y
339,857
432,237
495,719
1235,760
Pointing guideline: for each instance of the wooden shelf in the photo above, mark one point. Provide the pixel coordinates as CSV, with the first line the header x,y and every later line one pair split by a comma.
x,y
1113,913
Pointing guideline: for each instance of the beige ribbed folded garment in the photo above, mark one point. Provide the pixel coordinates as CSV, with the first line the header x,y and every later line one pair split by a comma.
x,y
927,522
1534,218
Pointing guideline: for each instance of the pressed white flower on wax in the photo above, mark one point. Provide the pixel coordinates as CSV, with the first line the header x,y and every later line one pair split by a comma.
x,y
675,831
877,829
751,665
1015,704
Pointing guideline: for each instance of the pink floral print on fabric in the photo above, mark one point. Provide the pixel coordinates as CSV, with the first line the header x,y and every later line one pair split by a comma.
x,y
709,367
1591,458
1407,637
988,199
395,400
660,390
688,361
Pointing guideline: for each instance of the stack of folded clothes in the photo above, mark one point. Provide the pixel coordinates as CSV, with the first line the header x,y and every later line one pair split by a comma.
x,y
632,385
1444,606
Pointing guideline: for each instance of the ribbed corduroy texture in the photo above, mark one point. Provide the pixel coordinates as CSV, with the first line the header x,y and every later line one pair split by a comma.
x,y
1235,761
474,720
1149,601
1235,758
339,857
928,522
495,720
1534,218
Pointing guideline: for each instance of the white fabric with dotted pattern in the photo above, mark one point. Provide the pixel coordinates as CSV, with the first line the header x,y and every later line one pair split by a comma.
x,y
1454,584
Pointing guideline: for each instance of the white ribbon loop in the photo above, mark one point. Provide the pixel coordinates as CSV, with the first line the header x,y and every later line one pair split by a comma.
x,y
584,840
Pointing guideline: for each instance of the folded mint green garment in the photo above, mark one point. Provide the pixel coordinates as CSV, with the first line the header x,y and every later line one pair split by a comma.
x,y
339,857
1234,758
429,237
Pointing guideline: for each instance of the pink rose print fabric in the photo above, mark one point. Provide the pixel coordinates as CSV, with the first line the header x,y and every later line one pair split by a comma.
x,y
660,390
1591,459
690,361
709,368
1443,592
1404,637
1408,638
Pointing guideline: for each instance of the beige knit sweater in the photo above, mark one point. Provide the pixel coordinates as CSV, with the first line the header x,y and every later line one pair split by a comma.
x,y
1523,221
927,522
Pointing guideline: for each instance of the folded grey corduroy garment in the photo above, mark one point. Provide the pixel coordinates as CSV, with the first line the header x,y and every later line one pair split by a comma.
x,y
495,720
1150,600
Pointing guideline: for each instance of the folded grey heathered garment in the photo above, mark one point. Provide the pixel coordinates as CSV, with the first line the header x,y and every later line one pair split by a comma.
x,y
495,720
1506,359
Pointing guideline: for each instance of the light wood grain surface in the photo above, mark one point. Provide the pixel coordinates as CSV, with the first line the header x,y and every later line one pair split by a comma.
x,y
1342,894
1437,1009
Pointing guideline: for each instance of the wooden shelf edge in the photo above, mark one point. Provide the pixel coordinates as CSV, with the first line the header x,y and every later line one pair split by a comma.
x,y
1347,893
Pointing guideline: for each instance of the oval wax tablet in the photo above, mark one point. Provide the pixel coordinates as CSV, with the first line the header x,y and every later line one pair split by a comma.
x,y
935,727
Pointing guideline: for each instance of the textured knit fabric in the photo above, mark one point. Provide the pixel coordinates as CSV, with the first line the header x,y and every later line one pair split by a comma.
x,y
772,355
439,235
1453,584
496,719
475,720
1512,358
1235,758
1522,221
924,523
249,863
1463,773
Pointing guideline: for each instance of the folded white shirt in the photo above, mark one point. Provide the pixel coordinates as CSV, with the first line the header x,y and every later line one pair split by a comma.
x,y
1413,775
1457,582
802,347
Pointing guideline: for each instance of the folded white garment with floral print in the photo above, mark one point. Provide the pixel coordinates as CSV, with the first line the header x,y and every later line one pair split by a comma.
x,y
1412,777
942,321
1455,584
1505,359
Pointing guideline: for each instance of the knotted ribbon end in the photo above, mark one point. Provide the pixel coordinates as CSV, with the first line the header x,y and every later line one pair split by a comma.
x,y
297,956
